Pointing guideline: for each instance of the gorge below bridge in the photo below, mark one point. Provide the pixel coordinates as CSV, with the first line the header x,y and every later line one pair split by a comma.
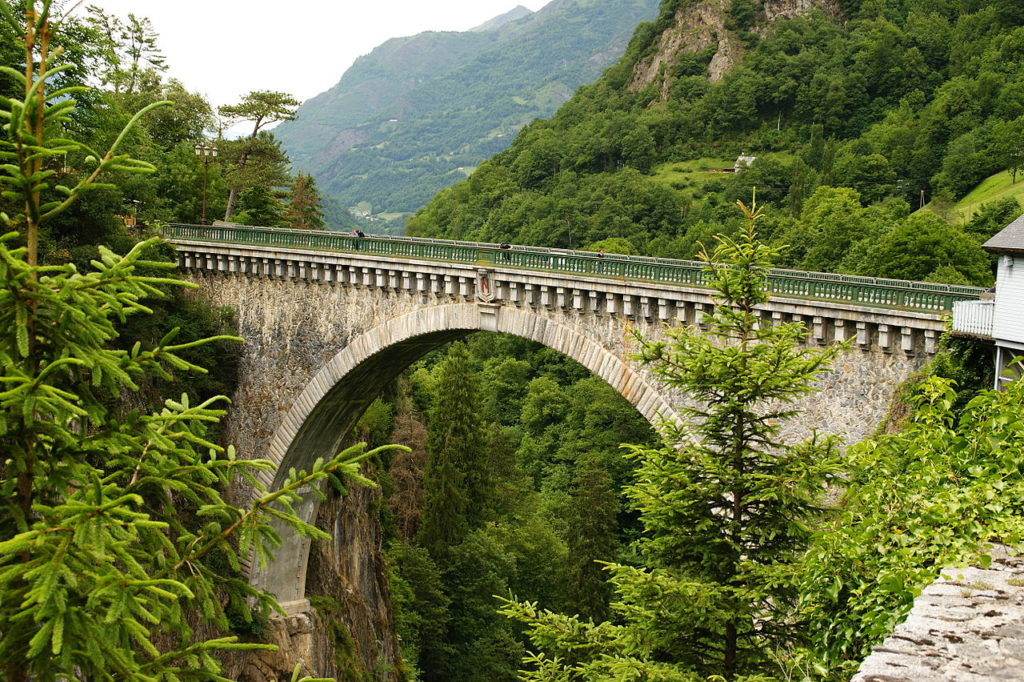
x,y
330,319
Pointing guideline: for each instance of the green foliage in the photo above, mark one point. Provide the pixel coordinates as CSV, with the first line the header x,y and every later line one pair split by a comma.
x,y
905,98
455,480
726,508
376,423
554,505
592,531
344,655
130,54
917,501
420,607
261,108
921,245
255,165
258,205
304,205
116,537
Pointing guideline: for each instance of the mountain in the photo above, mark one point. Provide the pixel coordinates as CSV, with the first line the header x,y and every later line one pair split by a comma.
x,y
497,22
856,112
419,113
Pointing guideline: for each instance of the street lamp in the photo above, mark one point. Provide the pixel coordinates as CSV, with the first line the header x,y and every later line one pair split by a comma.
x,y
206,153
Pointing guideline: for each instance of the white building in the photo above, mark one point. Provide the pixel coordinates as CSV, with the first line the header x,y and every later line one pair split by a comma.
x,y
1001,317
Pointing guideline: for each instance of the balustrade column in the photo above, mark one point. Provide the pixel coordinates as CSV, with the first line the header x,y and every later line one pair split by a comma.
x,y
681,313
884,338
863,337
839,331
662,310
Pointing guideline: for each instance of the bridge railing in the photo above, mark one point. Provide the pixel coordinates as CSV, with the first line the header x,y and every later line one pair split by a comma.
x,y
867,291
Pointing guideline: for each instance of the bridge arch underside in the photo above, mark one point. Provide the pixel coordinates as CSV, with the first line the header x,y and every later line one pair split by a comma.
x,y
332,402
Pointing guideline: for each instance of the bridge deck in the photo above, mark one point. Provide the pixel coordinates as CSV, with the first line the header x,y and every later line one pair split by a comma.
x,y
867,291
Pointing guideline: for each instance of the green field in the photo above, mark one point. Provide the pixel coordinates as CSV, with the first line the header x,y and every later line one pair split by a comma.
x,y
992,188
687,177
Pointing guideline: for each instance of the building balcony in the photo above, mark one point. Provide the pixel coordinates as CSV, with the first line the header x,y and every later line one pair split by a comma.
x,y
973,318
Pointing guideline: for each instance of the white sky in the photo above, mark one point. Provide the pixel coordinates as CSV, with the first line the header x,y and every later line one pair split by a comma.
x,y
225,48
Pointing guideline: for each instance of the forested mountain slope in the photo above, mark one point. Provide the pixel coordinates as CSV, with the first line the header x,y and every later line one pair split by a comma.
x,y
418,113
856,109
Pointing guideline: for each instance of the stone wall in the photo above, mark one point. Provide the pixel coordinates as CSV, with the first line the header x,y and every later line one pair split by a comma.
x,y
967,626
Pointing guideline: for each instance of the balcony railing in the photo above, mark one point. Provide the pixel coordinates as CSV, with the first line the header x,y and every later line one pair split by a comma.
x,y
867,291
973,318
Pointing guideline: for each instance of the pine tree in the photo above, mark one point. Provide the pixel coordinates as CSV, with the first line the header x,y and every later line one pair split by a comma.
x,y
304,205
726,507
258,155
115,537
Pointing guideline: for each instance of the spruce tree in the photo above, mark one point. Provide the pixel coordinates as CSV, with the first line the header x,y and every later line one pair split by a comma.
x,y
115,536
592,536
456,478
726,506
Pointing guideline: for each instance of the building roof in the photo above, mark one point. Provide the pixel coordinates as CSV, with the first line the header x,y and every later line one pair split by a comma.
x,y
1010,238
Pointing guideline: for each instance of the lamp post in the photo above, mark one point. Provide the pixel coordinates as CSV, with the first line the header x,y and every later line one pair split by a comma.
x,y
206,153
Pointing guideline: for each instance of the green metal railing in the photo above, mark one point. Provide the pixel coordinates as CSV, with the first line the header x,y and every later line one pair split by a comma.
x,y
867,291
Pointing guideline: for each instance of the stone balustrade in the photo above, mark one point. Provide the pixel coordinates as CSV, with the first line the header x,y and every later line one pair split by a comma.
x,y
866,328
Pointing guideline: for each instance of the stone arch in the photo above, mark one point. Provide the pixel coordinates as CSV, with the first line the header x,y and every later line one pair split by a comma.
x,y
335,398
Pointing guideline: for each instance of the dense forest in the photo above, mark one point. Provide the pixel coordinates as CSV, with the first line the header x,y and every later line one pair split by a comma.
x,y
853,119
123,59
522,539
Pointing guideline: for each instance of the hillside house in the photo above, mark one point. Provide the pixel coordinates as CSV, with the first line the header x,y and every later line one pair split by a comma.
x,y
1000,316
743,162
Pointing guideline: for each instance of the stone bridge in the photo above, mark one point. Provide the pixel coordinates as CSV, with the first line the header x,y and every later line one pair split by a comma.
x,y
330,319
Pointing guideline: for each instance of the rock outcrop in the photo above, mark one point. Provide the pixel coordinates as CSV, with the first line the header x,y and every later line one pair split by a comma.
x,y
702,25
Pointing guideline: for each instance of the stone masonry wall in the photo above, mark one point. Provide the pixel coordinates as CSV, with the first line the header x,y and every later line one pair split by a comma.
x,y
967,626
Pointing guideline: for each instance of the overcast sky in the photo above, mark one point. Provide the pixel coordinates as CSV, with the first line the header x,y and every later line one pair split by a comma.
x,y
225,48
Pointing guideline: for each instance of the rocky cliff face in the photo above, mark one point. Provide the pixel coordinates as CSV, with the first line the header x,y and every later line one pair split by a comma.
x,y
349,633
702,25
